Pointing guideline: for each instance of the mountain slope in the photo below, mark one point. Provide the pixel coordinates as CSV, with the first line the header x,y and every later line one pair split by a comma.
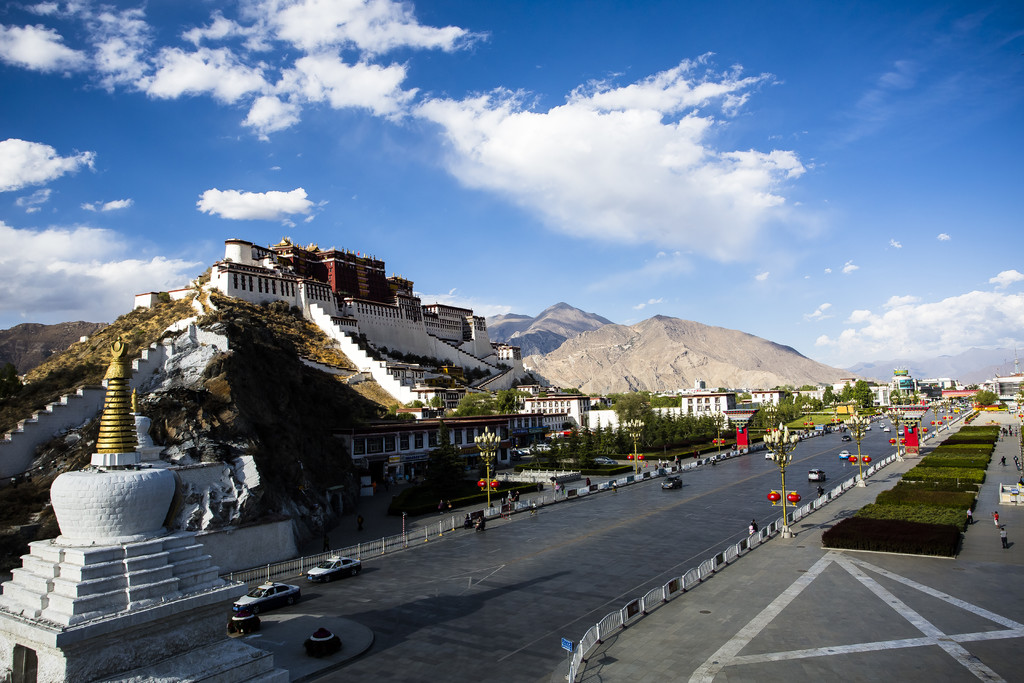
x,y
27,345
547,331
970,367
661,354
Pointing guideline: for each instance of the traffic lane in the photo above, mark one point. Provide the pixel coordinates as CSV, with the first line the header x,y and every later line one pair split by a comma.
x,y
540,577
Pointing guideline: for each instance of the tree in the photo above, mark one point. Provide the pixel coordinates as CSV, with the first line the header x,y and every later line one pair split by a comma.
x,y
862,394
846,395
986,398
445,466
10,383
508,401
632,407
476,404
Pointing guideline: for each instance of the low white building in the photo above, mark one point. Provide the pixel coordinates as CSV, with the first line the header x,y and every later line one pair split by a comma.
x,y
767,396
575,407
708,402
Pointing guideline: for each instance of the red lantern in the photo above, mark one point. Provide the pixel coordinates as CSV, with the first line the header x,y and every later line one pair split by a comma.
x,y
892,441
793,497
629,457
866,459
494,483
933,422
482,483
853,459
925,429
639,457
774,497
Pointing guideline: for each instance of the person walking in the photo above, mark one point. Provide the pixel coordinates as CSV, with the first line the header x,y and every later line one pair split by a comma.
x,y
753,527
970,517
1002,536
995,518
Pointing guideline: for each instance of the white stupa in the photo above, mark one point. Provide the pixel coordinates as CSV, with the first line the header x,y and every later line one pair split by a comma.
x,y
116,596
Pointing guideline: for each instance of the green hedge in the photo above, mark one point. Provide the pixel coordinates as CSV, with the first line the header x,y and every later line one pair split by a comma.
x,y
969,450
973,435
940,485
925,514
893,536
913,495
938,473
954,461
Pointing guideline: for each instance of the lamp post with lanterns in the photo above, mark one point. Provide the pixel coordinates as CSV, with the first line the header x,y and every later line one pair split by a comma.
x,y
635,428
858,424
781,444
488,445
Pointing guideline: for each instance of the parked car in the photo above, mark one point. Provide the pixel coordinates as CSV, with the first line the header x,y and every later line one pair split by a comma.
x,y
604,460
816,475
844,454
268,596
847,437
672,483
334,568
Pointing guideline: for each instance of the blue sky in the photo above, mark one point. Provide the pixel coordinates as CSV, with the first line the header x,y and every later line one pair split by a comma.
x,y
843,178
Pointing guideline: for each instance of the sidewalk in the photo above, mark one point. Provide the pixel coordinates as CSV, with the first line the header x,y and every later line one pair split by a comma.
x,y
792,610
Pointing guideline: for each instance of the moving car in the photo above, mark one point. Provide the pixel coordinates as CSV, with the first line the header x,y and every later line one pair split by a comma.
x,y
335,567
886,429
604,460
672,483
847,437
844,454
268,596
816,475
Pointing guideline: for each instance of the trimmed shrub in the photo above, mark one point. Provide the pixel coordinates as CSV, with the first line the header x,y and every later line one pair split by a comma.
x,y
925,514
893,536
913,495
940,485
938,473
954,461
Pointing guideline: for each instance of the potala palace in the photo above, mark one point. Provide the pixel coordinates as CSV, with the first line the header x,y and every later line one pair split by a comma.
x,y
350,297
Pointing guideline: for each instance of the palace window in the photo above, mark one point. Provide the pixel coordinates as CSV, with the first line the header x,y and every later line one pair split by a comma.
x,y
403,442
418,441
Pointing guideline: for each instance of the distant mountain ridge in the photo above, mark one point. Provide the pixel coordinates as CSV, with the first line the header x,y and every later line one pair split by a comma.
x,y
29,344
970,367
546,332
666,354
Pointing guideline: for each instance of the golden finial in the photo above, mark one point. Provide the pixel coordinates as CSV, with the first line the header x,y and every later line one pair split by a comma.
x,y
135,401
117,426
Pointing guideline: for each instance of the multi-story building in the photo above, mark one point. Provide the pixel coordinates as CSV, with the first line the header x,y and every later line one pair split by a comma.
x,y
767,397
708,402
401,448
574,407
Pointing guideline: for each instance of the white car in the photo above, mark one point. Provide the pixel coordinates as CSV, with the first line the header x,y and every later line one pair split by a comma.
x,y
886,429
267,596
844,454
335,567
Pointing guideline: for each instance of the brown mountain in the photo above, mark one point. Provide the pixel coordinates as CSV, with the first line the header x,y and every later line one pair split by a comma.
x,y
663,354
547,331
27,345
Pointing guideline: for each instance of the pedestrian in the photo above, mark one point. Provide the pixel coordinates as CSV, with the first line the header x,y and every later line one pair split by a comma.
x,y
588,482
1002,461
995,517
970,516
440,507
359,522
753,527
1002,536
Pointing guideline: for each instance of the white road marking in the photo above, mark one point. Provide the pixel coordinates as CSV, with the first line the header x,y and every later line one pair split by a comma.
x,y
727,655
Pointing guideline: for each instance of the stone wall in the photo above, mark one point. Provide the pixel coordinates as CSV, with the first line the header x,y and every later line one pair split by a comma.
x,y
251,546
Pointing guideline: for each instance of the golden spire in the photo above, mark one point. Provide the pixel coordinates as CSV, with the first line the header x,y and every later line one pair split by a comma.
x,y
117,425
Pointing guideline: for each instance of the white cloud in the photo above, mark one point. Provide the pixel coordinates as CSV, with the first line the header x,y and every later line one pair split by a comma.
x,y
37,48
649,302
630,164
121,41
32,202
895,245
266,206
108,206
328,78
943,237
895,301
1006,278
828,270
848,267
24,163
373,27
217,72
819,313
55,274
451,298
761,277
268,114
921,330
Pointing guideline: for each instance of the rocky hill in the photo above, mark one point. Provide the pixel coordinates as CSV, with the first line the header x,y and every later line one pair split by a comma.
x,y
970,367
545,332
29,344
663,354
256,407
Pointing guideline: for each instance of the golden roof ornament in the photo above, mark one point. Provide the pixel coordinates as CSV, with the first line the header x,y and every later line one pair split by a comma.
x,y
117,425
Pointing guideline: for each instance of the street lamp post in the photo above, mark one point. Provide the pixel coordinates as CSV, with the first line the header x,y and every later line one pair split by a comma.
x,y
635,429
781,444
857,424
488,445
